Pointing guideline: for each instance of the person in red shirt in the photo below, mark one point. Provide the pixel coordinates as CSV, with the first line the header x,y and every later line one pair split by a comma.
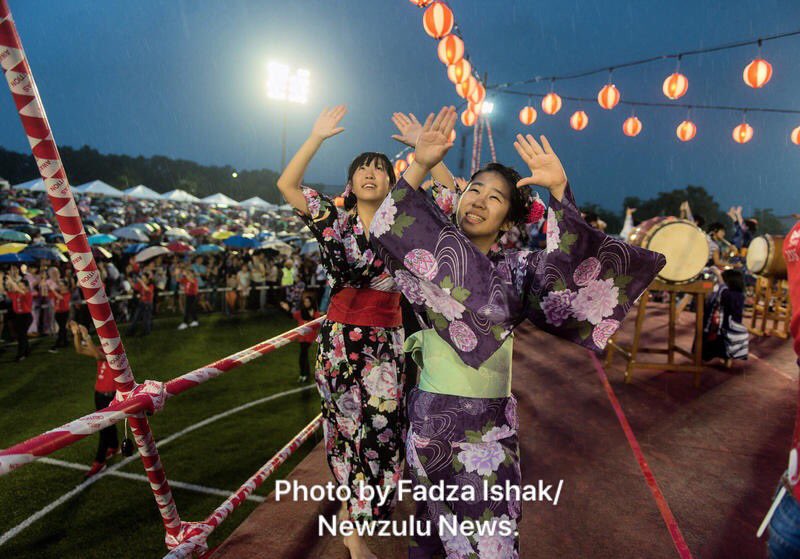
x,y
104,390
784,526
22,303
144,307
60,299
307,312
189,284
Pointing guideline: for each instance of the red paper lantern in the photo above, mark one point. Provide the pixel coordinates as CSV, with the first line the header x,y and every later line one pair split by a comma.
x,y
757,73
410,158
451,49
399,166
796,136
743,133
478,94
632,126
579,120
468,118
459,72
452,137
527,115
675,86
608,97
686,130
466,87
421,3
438,20
551,103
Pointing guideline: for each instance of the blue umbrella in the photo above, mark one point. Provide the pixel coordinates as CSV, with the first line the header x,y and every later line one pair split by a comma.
x,y
15,258
240,241
205,249
102,239
43,253
14,236
133,249
14,218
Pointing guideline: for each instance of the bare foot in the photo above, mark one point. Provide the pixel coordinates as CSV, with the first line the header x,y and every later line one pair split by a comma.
x,y
358,548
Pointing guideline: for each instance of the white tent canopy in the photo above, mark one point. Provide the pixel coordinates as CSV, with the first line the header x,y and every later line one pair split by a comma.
x,y
100,188
142,192
219,199
256,202
179,195
34,185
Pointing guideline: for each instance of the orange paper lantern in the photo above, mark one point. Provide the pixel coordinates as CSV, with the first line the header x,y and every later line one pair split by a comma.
x,y
421,3
452,136
686,130
466,87
459,72
743,133
410,158
527,115
675,86
451,49
796,136
478,94
399,166
551,103
468,118
608,97
632,126
579,120
757,73
476,108
438,20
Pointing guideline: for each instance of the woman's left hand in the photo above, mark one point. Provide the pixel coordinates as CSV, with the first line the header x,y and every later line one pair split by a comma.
x,y
434,141
546,169
409,127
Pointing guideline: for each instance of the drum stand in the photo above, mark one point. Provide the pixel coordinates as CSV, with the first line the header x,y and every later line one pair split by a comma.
x,y
771,302
698,289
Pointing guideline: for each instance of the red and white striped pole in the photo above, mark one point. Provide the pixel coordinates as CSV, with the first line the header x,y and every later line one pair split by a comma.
x,y
34,121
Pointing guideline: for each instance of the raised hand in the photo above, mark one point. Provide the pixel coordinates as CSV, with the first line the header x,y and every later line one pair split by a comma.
x,y
434,140
327,123
546,169
409,128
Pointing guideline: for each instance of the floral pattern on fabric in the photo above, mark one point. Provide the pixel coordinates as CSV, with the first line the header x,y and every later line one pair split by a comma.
x,y
579,288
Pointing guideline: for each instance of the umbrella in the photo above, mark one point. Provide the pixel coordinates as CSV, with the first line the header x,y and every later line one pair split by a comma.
x,y
14,236
17,258
14,218
240,241
44,253
100,252
33,212
199,231
29,229
222,234
91,230
12,248
107,227
204,249
177,233
19,210
102,239
131,233
310,247
278,246
151,252
134,248
180,247
62,247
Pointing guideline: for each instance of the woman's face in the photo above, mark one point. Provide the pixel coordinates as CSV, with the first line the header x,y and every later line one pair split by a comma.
x,y
484,206
370,182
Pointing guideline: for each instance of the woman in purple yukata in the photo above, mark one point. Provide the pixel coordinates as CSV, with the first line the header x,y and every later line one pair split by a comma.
x,y
359,366
463,419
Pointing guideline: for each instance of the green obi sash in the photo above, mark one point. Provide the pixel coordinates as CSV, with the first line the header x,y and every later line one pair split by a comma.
x,y
443,372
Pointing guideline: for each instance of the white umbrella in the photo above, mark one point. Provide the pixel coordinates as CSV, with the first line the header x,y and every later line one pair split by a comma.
x,y
219,199
151,252
142,192
279,246
177,233
310,247
130,233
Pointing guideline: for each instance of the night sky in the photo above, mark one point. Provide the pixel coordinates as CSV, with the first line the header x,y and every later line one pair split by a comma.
x,y
186,79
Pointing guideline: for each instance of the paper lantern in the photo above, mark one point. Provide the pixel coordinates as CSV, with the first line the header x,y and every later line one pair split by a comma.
x,y
796,136
459,72
466,87
579,120
438,20
468,118
743,133
421,3
757,73
338,201
608,97
451,49
686,130
478,94
632,126
527,115
551,103
452,137
410,158
675,86
399,166
476,108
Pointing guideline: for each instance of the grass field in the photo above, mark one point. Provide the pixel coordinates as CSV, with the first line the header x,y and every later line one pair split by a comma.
x,y
117,517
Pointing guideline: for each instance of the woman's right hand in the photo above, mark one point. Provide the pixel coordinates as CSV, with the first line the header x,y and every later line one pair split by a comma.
x,y
409,128
434,142
327,124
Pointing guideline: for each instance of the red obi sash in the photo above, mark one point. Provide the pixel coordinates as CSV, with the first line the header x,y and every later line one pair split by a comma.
x,y
366,307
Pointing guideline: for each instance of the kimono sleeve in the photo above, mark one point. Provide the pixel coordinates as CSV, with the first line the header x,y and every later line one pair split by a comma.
x,y
322,214
584,282
445,198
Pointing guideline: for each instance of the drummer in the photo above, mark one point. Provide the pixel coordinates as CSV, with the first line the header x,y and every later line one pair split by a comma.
x,y
720,250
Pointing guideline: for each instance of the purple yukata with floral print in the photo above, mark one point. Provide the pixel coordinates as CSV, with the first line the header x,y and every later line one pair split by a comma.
x,y
579,288
358,369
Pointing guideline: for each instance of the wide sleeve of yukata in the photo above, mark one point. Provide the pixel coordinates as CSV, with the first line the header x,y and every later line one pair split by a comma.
x,y
324,220
584,282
